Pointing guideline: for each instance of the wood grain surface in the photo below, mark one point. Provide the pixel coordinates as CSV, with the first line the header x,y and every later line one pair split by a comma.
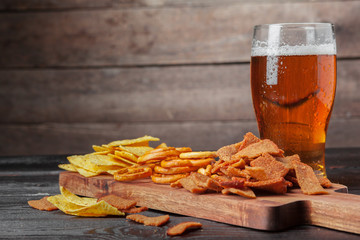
x,y
339,211
75,73
149,36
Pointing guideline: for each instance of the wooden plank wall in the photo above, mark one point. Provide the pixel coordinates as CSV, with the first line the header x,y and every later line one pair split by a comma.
x,y
77,73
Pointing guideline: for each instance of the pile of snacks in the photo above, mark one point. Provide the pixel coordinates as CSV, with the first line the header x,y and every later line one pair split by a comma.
x,y
251,164
72,204
109,158
254,164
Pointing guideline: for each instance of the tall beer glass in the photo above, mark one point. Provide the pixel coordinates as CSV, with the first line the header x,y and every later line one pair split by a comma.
x,y
293,83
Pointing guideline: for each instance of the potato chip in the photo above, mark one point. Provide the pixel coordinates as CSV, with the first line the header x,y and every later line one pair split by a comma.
x,y
137,151
67,167
133,141
127,155
101,160
78,206
120,160
81,201
99,148
85,172
101,153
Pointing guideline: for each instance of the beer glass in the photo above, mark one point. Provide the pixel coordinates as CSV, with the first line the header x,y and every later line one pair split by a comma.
x,y
293,83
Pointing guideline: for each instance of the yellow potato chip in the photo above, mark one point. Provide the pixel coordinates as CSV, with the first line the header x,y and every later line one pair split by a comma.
x,y
85,172
137,151
81,201
133,141
127,155
122,160
101,153
88,207
99,209
99,148
105,160
67,167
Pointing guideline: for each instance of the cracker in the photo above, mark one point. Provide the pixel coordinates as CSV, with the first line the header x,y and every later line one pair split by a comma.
x,y
42,204
182,227
149,221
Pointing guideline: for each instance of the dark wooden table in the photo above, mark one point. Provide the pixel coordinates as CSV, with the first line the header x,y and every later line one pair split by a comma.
x,y
28,178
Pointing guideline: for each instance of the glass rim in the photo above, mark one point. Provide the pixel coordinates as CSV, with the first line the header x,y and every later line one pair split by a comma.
x,y
296,25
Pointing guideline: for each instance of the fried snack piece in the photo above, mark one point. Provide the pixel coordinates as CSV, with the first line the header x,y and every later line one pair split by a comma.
x,y
307,179
324,182
235,172
287,161
42,204
149,221
174,170
118,202
157,155
235,182
205,182
186,162
244,192
130,175
189,184
278,185
226,152
257,173
182,227
167,178
257,149
183,149
249,138
272,168
135,210
204,154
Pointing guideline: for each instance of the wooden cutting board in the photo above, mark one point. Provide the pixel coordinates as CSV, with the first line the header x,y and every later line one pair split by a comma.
x,y
337,210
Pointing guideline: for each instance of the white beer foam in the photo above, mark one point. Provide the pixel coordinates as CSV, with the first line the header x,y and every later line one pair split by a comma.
x,y
260,49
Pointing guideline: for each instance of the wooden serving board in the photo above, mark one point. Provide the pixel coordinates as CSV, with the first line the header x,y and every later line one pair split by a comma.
x,y
337,210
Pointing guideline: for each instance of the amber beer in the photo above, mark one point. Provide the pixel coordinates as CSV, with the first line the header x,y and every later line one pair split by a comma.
x,y
293,97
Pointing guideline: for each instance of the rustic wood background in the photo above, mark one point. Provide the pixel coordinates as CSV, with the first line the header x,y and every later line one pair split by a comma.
x,y
79,72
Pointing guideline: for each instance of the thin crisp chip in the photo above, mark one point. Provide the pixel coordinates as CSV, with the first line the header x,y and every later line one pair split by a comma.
x,y
127,155
108,160
67,167
81,201
99,148
126,163
133,141
257,173
137,151
42,204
